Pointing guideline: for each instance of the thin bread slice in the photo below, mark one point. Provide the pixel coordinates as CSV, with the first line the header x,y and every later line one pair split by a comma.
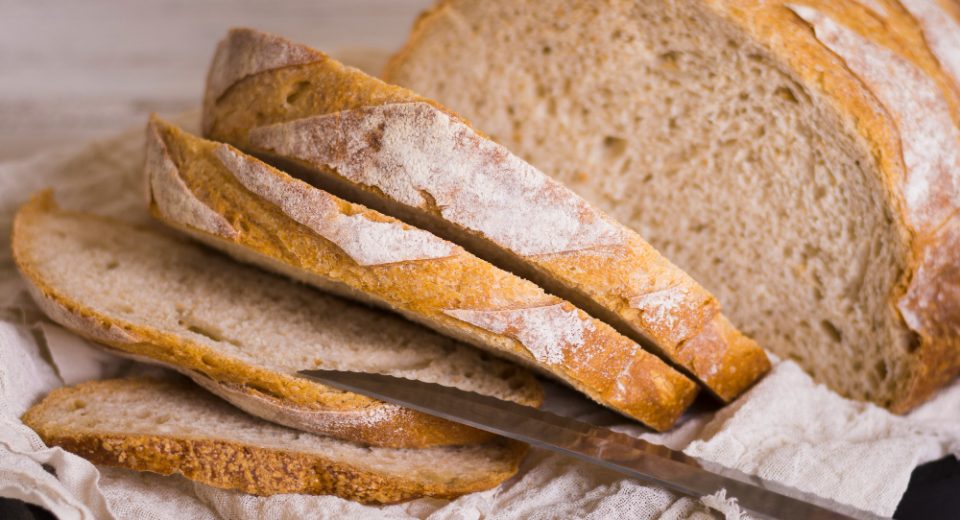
x,y
811,147
409,157
171,426
262,215
242,333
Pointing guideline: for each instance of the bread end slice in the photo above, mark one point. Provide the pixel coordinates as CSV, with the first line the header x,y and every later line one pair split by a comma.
x,y
170,426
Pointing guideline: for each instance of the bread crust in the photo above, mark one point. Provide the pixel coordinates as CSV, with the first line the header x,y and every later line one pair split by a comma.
x,y
245,467
287,222
294,401
928,293
566,246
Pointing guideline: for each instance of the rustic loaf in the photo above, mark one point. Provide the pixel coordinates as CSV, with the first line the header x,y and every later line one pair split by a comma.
x,y
799,158
243,334
261,215
408,157
171,426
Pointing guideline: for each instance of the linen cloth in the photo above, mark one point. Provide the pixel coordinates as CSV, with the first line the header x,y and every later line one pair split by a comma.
x,y
787,428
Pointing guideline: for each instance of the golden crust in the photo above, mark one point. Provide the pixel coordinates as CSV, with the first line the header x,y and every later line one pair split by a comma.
x,y
421,290
248,468
928,288
405,428
727,364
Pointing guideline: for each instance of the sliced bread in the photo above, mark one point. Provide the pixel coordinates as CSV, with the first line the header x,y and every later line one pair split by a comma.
x,y
408,157
261,215
800,158
242,333
172,426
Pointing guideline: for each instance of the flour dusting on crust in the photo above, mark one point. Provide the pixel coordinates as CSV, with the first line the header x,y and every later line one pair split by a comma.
x,y
548,332
245,52
366,241
422,157
929,139
666,307
941,31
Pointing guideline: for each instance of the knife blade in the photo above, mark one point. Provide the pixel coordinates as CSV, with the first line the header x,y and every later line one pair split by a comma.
x,y
628,455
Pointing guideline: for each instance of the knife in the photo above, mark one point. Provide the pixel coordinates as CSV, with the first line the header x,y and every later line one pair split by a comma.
x,y
633,457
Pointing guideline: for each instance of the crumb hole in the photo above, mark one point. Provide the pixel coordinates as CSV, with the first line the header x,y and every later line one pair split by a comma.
x,y
786,94
78,404
831,330
614,147
881,369
668,60
111,265
297,92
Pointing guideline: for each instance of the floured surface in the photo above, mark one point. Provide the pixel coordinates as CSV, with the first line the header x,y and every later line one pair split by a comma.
x,y
550,333
422,157
366,241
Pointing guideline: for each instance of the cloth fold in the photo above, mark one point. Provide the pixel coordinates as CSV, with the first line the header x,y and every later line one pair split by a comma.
x,y
787,428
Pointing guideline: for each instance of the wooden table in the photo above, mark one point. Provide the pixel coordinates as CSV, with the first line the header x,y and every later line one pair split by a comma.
x,y
74,70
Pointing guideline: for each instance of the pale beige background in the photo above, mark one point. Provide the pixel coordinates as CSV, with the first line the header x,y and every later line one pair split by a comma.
x,y
73,70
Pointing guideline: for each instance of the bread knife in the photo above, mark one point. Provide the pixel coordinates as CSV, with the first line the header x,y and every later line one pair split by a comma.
x,y
630,456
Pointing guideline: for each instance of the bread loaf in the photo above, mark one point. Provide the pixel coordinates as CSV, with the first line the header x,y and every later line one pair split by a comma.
x,y
799,158
411,158
261,215
244,334
170,427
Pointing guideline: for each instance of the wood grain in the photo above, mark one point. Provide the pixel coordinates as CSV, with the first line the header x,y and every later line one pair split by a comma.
x,y
75,71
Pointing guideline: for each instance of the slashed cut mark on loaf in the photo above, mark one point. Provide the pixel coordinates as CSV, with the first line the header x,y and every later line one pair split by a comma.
x,y
412,149
366,241
173,196
550,333
874,5
170,426
236,61
929,139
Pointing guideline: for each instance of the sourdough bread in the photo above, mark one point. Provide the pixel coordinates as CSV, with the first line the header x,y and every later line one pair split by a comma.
x,y
261,215
171,426
244,334
799,158
408,157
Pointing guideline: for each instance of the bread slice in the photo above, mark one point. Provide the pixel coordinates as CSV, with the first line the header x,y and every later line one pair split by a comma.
x,y
171,426
411,158
243,334
261,215
800,159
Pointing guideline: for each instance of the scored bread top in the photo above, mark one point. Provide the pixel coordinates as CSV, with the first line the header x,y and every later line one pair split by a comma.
x,y
287,225
410,157
243,333
170,426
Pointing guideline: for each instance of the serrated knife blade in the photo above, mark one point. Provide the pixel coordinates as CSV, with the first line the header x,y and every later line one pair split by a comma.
x,y
630,456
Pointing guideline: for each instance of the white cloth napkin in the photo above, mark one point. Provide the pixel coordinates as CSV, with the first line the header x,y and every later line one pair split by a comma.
x,y
787,428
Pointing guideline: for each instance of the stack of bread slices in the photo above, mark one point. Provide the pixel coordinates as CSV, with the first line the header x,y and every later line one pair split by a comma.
x,y
365,228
